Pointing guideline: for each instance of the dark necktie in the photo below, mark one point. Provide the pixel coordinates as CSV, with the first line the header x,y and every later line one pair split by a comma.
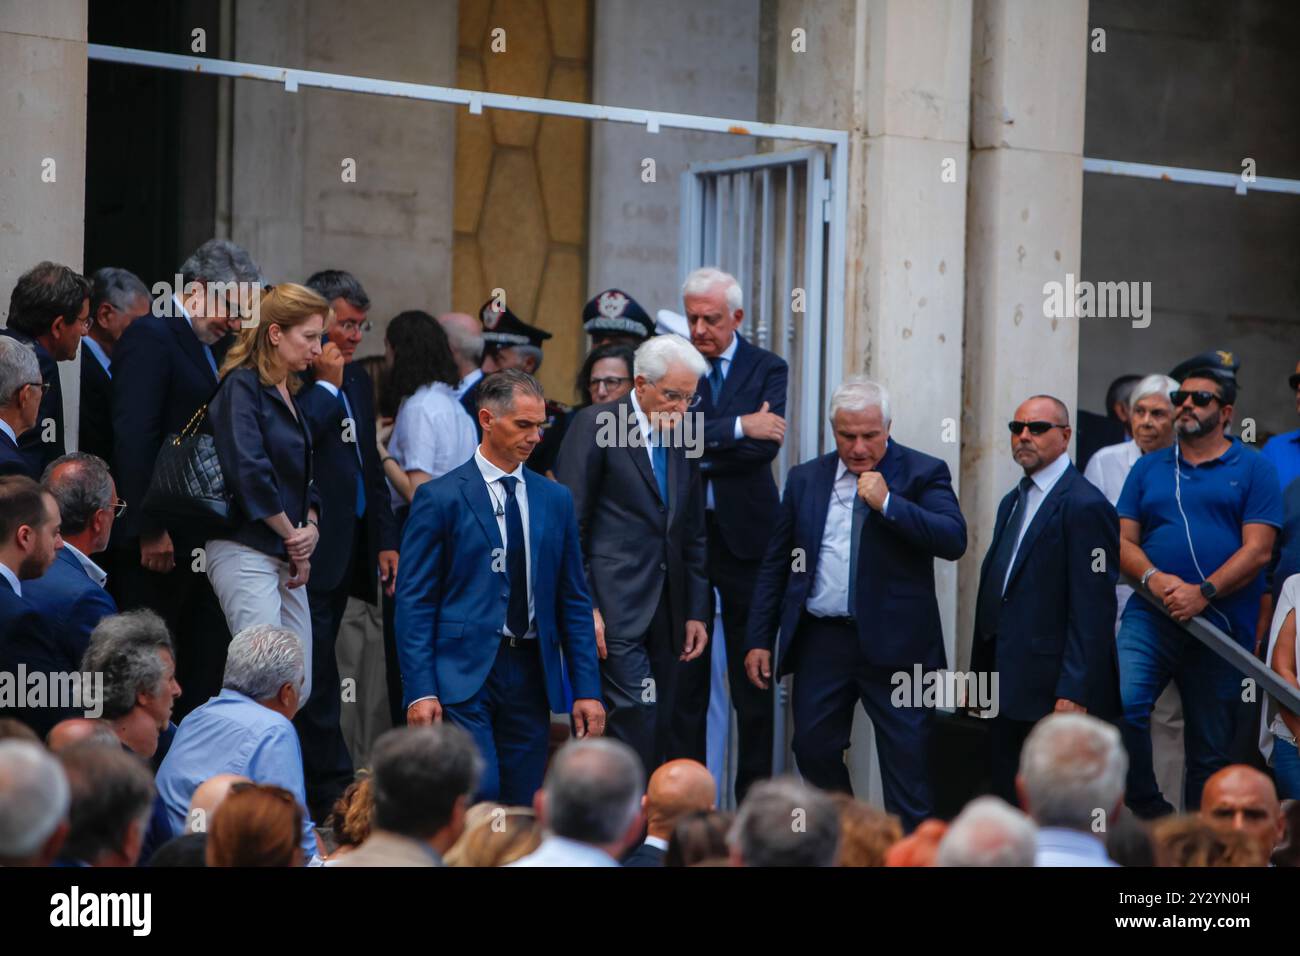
x,y
990,598
361,476
516,561
659,455
859,518
715,379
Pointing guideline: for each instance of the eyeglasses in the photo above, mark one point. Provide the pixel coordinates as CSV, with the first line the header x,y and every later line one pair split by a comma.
x,y
351,326
610,383
690,399
1200,398
1035,428
43,386
119,508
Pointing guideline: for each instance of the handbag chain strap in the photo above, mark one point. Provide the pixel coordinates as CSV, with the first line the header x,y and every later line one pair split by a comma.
x,y
192,425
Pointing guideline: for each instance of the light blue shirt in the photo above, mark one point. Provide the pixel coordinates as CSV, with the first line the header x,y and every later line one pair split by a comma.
x,y
8,575
561,851
1058,846
97,350
232,733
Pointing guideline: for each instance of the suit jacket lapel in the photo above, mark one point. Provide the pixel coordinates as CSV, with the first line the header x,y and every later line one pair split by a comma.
x,y
1044,514
191,346
742,366
536,519
476,495
821,503
634,447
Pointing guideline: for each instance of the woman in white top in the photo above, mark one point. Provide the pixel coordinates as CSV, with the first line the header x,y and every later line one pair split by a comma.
x,y
1279,727
432,433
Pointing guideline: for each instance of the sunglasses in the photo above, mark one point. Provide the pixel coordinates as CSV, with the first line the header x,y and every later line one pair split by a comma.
x,y
1035,428
1200,398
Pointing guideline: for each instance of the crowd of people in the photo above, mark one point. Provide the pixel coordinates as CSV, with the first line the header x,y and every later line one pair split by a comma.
x,y
175,590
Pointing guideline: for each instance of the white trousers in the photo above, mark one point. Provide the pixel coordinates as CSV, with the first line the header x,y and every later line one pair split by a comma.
x,y
252,589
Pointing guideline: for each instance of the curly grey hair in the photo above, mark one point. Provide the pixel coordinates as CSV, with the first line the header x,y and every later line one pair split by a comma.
x,y
262,659
124,648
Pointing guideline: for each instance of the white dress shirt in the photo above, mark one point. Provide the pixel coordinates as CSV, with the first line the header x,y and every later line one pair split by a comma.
x,y
561,851
1044,480
830,592
4,427
647,436
93,570
1058,846
8,575
432,434
1108,469
492,476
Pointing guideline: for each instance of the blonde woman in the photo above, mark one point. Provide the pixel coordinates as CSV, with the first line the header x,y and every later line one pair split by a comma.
x,y
260,564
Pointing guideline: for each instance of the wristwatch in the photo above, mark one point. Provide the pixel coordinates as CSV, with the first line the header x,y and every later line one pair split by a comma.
x,y
1146,576
1208,590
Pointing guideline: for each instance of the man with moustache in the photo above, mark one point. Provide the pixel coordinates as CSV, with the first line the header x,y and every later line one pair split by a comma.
x,y
1045,611
1197,522
492,604
164,369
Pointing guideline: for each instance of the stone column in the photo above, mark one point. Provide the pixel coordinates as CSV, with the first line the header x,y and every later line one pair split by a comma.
x,y
1024,230
43,151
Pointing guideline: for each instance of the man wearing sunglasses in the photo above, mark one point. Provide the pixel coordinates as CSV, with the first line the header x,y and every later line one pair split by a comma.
x,y
1197,522
1045,613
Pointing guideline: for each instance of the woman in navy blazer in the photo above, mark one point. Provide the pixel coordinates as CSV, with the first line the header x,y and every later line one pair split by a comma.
x,y
259,565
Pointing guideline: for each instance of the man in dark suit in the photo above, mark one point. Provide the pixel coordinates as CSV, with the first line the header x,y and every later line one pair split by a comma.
x,y
674,792
845,597
165,369
358,539
29,538
21,390
465,336
49,310
743,404
1045,613
70,596
640,505
492,607
117,299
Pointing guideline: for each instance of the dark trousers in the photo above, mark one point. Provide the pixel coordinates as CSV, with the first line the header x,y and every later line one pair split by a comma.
x,y
638,679
392,666
830,677
1006,738
326,763
184,599
510,720
734,579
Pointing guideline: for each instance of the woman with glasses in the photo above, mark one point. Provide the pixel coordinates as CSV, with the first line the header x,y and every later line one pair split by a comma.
x,y
259,565
605,376
430,433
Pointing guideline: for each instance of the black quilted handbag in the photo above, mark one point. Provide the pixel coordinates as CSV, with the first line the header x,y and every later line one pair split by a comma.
x,y
188,488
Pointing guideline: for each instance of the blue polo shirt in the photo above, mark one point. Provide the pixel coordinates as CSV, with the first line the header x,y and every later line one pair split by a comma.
x,y
1219,496
1284,452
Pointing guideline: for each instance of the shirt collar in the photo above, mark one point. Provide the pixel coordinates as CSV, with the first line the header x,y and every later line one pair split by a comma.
x,y
1071,841
1046,478
93,570
642,419
659,843
469,381
491,472
841,469
184,311
97,350
730,352
4,426
7,573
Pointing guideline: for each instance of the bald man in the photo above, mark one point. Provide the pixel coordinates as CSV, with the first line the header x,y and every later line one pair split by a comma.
x,y
676,790
189,848
76,729
1241,798
465,336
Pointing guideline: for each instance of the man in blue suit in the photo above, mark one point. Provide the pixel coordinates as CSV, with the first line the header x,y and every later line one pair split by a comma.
x,y
845,597
358,539
70,596
492,603
29,538
164,369
743,404
20,403
1045,614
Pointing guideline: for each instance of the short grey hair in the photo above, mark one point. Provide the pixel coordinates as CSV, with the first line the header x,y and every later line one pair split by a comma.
x,y
530,351
498,390
786,822
118,287
593,790
81,489
124,648
989,832
34,798
18,367
465,344
705,280
1071,767
262,659
657,354
1156,384
220,260
858,393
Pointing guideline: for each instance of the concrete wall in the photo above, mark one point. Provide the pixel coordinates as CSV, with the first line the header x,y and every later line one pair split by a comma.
x,y
43,115
289,204
677,56
1203,91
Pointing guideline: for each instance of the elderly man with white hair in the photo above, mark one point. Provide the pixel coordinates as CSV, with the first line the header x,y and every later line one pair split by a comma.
x,y
34,801
845,599
247,729
632,466
988,832
1071,782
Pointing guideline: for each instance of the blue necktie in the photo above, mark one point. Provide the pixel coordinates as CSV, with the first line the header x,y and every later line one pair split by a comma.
x,y
516,561
659,456
859,517
361,477
715,379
